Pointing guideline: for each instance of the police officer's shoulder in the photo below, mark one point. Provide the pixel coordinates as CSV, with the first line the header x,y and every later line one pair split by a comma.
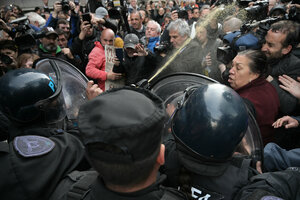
x,y
32,145
242,161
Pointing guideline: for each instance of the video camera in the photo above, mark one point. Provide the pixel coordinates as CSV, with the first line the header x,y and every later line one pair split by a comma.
x,y
258,11
65,7
163,47
235,42
26,36
246,38
20,24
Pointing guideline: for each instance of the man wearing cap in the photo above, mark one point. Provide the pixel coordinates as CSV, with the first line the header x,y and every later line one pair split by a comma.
x,y
138,63
103,20
101,13
49,46
123,143
95,68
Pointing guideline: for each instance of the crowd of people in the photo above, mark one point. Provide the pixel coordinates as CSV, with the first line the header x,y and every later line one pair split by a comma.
x,y
127,143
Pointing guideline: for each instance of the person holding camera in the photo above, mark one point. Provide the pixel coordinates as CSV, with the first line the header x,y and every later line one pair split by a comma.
x,y
8,56
60,11
187,59
84,43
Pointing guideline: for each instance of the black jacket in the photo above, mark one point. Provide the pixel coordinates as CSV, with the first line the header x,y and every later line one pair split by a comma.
x,y
288,65
137,67
206,179
153,192
282,184
83,48
139,34
36,176
88,185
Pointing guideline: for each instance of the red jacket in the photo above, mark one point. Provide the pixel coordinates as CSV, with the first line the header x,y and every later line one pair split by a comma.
x,y
95,68
266,102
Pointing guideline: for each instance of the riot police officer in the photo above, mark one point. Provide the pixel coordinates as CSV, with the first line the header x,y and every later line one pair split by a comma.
x,y
35,157
122,131
208,126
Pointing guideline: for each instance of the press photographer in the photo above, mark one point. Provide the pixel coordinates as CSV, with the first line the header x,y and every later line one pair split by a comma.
x,y
8,56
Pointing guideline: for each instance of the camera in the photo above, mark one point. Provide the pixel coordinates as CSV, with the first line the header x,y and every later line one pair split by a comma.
x,y
22,24
245,38
163,47
5,59
65,6
27,36
86,17
235,42
258,11
28,40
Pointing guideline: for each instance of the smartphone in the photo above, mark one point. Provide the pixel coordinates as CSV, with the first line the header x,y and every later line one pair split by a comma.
x,y
119,54
86,17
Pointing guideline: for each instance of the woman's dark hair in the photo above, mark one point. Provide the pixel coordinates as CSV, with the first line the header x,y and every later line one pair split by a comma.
x,y
8,44
258,61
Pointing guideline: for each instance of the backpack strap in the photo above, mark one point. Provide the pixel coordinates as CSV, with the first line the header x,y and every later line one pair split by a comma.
x,y
173,194
82,185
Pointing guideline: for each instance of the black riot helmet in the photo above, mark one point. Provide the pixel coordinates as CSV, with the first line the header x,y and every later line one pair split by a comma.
x,y
28,95
210,121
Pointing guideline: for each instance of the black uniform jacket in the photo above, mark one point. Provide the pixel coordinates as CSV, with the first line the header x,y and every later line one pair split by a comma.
x,y
207,180
33,164
153,192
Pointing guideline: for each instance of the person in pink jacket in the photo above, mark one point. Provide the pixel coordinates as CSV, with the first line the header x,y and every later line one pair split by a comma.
x,y
95,68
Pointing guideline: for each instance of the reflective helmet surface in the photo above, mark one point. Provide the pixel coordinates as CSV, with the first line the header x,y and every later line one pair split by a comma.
x,y
211,121
23,92
73,83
